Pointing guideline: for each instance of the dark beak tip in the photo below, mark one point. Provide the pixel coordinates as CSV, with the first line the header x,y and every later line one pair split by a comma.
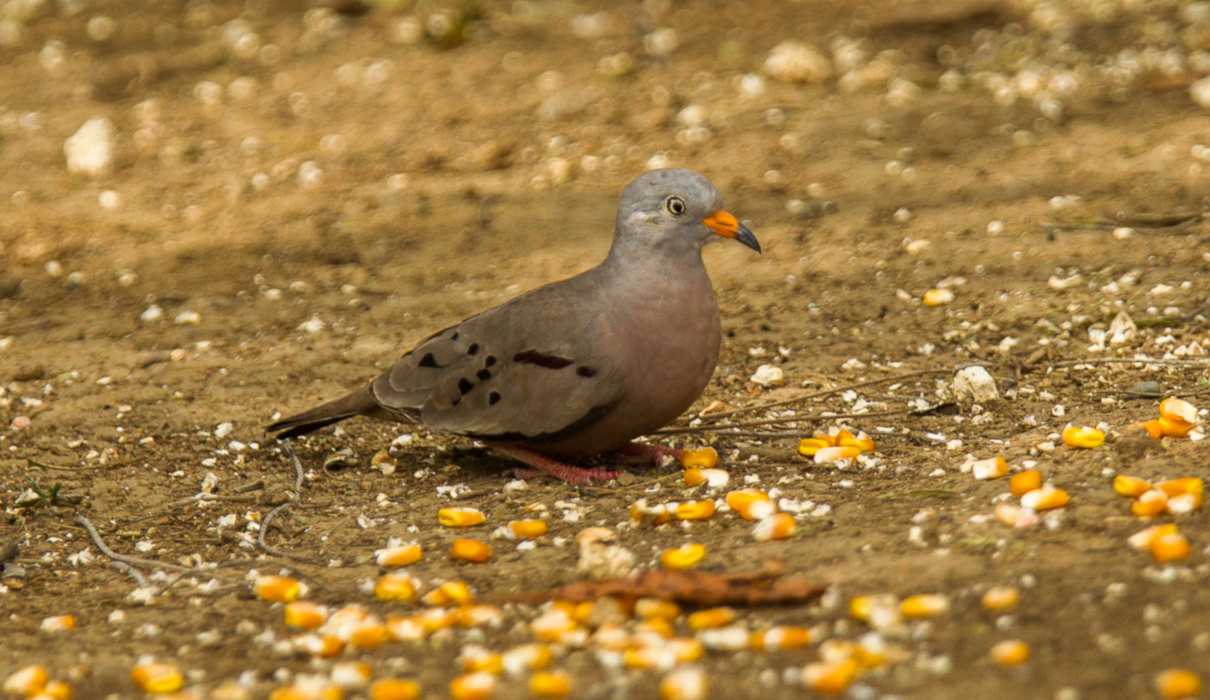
x,y
748,238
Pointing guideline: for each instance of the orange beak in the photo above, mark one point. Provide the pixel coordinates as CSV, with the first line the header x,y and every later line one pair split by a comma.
x,y
724,224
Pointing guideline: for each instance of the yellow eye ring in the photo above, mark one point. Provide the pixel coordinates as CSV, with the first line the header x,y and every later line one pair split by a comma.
x,y
675,205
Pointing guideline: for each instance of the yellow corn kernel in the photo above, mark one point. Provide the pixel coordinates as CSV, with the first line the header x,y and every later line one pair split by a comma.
x,y
526,657
685,649
1001,598
1022,483
686,556
830,678
550,684
778,526
278,589
807,447
924,605
1170,547
651,608
1173,408
304,615
1045,498
1131,486
528,529
473,686
694,477
1185,485
394,689
992,468
861,441
470,550
399,587
55,690
1010,652
59,623
778,638
702,458
1178,684
695,510
1142,539
710,618
1182,504
449,593
1154,428
434,619
860,607
646,658
1150,504
405,628
1082,436
687,683
938,297
460,517
157,678
553,625
483,661
1174,427
659,626
26,681
1016,516
830,455
326,646
370,634
641,511
310,691
477,615
403,555
751,504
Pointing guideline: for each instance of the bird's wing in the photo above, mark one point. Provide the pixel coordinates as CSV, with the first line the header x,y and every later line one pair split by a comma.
x,y
535,367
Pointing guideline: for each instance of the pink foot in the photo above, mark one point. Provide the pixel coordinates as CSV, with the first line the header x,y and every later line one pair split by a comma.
x,y
546,466
656,455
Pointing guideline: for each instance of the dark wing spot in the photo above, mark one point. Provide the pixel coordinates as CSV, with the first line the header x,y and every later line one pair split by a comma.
x,y
474,348
454,336
586,371
492,398
428,361
491,360
465,385
533,357
483,375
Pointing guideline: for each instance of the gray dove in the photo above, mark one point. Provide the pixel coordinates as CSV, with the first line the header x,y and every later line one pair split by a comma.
x,y
579,367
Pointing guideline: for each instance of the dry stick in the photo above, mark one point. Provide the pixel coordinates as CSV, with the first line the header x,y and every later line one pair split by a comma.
x,y
132,572
813,418
264,526
129,561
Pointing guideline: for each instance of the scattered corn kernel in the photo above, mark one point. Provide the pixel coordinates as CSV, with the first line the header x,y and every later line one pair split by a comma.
x,y
553,625
778,638
1022,483
370,634
157,678
1001,598
649,657
807,447
59,623
650,608
525,658
924,605
1150,503
702,458
1173,408
1011,652
1182,504
829,455
55,690
830,678
1170,547
1189,485
473,686
1154,428
687,683
304,615
685,649
751,504
992,468
394,689
1082,436
400,587
710,618
483,661
695,510
1178,684
694,477
1173,427
861,441
26,681
460,517
1016,516
470,550
351,674
1130,485
778,526
686,556
278,589
1045,498
1142,539
550,684
938,297
403,555
528,529
449,593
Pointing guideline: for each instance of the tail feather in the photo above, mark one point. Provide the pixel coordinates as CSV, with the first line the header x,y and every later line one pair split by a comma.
x,y
358,403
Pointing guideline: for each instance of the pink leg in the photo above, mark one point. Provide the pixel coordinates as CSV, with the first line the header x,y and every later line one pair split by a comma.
x,y
545,465
657,455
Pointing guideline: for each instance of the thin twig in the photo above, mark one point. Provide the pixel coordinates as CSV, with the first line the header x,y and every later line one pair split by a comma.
x,y
812,418
130,571
128,560
264,526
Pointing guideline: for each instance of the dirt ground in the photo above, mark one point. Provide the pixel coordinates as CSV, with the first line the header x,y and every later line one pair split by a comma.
x,y
303,193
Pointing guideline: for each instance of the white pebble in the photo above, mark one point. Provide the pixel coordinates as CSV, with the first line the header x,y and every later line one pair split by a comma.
x,y
89,151
768,375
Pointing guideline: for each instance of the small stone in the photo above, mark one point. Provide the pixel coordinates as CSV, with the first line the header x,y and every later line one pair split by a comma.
x,y
768,375
1200,92
661,42
1146,389
975,385
89,151
152,313
188,318
312,325
795,62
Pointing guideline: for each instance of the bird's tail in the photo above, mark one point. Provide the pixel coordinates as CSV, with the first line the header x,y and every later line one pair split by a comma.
x,y
358,403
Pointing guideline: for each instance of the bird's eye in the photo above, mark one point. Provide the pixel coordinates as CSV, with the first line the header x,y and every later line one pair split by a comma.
x,y
675,205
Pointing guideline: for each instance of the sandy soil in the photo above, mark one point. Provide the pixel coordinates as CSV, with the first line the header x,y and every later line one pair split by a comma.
x,y
335,167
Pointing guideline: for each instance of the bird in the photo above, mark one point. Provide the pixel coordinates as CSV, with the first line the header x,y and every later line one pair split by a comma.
x,y
579,367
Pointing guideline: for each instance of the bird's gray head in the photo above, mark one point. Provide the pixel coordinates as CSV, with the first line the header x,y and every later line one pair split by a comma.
x,y
675,210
